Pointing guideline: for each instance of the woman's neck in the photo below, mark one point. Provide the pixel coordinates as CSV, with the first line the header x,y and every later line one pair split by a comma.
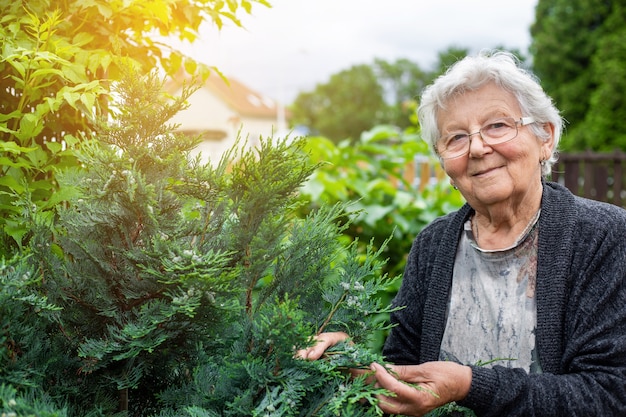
x,y
500,227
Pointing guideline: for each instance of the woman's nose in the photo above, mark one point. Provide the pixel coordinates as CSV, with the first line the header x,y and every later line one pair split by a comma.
x,y
477,145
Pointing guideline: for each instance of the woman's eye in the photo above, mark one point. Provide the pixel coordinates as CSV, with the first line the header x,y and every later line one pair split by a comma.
x,y
499,125
496,125
457,137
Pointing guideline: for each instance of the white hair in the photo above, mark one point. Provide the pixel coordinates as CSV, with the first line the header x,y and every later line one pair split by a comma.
x,y
503,69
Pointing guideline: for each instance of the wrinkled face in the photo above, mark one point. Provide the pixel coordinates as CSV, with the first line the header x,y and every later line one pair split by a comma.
x,y
508,173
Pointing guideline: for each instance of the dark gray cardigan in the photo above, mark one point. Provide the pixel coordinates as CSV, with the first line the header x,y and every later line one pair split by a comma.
x,y
581,312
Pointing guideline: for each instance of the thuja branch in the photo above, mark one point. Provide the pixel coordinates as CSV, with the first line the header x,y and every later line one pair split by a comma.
x,y
251,285
330,315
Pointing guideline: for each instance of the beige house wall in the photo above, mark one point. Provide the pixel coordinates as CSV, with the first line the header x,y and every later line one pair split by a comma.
x,y
209,113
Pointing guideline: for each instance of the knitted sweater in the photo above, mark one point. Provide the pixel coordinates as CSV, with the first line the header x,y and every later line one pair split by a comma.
x,y
581,312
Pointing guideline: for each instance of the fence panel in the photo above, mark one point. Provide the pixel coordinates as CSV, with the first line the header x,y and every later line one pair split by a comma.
x,y
599,176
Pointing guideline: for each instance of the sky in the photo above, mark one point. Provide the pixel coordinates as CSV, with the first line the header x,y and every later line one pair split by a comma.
x,y
297,44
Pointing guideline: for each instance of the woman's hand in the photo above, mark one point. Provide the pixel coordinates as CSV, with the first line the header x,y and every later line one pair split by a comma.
x,y
323,342
441,382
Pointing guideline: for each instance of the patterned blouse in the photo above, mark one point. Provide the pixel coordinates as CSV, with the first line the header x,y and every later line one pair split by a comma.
x,y
492,312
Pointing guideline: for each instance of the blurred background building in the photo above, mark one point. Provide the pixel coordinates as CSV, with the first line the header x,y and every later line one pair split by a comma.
x,y
222,110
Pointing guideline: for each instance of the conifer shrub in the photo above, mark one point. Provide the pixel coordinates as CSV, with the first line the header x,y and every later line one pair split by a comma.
x,y
177,288
168,287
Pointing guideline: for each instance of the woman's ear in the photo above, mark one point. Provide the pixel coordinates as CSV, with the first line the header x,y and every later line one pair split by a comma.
x,y
547,145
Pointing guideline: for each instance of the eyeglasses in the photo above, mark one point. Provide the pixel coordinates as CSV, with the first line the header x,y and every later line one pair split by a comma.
x,y
494,132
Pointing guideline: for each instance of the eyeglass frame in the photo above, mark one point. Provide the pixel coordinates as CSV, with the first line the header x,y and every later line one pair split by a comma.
x,y
522,121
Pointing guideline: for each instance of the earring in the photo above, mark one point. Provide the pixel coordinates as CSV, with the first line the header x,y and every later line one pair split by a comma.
x,y
454,186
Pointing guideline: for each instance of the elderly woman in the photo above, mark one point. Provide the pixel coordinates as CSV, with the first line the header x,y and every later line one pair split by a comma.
x,y
525,276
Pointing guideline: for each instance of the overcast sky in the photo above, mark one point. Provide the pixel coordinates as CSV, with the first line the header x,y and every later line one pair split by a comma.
x,y
297,44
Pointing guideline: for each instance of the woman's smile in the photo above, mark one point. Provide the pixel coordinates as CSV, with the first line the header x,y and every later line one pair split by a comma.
x,y
484,172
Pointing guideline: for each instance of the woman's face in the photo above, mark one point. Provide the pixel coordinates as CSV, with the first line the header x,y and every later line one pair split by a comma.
x,y
508,173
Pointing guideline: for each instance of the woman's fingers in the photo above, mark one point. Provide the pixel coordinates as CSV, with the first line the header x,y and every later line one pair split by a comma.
x,y
322,342
384,378
419,389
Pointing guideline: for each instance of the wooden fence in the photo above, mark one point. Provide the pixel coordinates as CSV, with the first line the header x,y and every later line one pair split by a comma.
x,y
599,176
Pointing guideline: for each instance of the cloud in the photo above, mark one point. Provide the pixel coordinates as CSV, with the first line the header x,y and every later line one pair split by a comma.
x,y
297,44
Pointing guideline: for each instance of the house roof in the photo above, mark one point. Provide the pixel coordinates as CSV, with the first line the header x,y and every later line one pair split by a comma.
x,y
235,94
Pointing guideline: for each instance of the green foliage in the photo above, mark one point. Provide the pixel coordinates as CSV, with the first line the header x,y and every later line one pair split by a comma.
x,y
378,177
185,289
15,404
402,81
57,60
43,97
259,375
26,347
377,180
579,57
604,122
24,317
451,409
348,104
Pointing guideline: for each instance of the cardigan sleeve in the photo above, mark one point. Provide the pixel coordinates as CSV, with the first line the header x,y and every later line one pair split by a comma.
x,y
402,345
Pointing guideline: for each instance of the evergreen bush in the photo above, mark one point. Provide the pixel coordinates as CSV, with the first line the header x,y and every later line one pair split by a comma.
x,y
172,288
177,288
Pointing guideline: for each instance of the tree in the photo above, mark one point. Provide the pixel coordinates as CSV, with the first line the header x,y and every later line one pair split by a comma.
x,y
350,103
604,124
578,54
353,101
447,57
57,62
402,81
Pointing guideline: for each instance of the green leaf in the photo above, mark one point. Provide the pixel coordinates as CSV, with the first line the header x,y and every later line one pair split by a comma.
x,y
10,182
379,133
89,101
158,10
62,195
191,66
71,98
41,72
54,147
18,66
176,60
15,230
382,185
30,126
5,129
75,73
71,140
373,213
45,185
15,114
82,39
99,59
104,10
8,162
14,148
